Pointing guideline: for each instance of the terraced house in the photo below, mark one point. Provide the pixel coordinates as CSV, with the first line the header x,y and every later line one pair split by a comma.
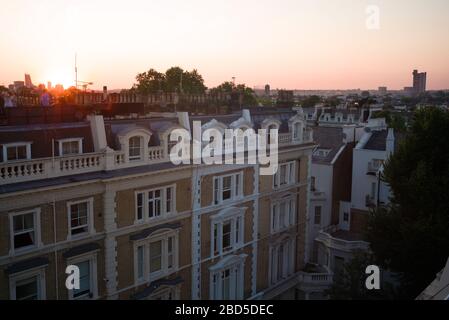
x,y
102,194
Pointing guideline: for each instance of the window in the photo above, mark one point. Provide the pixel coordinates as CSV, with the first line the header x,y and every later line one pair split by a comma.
x,y
227,231
135,148
28,286
156,257
80,217
155,203
312,184
24,230
345,216
297,128
16,151
285,174
318,215
227,284
373,190
282,260
283,214
87,265
70,146
321,152
228,187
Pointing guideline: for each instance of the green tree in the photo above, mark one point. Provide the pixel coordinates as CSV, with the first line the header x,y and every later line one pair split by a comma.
x,y
235,91
349,282
175,79
411,236
310,101
149,82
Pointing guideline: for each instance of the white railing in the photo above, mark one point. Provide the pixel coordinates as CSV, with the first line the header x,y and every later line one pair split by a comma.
x,y
29,170
156,153
84,162
315,278
325,237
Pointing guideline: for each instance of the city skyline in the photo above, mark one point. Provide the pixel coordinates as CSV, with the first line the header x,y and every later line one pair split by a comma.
x,y
258,43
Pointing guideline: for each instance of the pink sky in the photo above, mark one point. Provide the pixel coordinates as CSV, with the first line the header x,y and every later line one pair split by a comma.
x,y
301,44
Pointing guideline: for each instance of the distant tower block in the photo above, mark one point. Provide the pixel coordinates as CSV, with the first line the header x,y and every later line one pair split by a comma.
x,y
49,85
28,82
419,81
267,89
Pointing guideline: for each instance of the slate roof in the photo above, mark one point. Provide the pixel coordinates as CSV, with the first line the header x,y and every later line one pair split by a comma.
x,y
377,141
327,138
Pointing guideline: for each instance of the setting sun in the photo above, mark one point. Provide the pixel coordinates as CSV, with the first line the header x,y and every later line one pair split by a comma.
x,y
64,76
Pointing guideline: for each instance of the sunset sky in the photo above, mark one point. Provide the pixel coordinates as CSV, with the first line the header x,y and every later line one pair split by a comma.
x,y
296,44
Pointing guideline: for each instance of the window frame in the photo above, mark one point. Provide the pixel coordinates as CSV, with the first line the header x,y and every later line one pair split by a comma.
x,y
141,148
291,177
275,215
237,283
93,273
5,147
273,260
235,188
37,231
163,203
69,140
147,275
237,236
90,219
38,272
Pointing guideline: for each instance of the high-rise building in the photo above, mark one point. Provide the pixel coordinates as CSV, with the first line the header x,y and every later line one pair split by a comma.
x,y
267,89
419,81
28,82
49,85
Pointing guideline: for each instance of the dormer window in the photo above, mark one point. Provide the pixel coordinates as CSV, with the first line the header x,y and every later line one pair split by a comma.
x,y
135,148
70,146
297,130
16,151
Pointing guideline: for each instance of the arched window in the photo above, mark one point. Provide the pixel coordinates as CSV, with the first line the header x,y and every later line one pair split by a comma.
x,y
135,148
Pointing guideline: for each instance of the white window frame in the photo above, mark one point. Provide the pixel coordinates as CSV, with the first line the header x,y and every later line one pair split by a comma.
x,y
236,192
37,231
142,149
68,140
38,272
236,265
90,219
290,175
92,258
163,198
27,145
275,215
288,263
162,236
237,240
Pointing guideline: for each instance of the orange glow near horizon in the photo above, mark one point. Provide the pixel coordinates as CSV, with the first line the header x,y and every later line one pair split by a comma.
x,y
295,44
